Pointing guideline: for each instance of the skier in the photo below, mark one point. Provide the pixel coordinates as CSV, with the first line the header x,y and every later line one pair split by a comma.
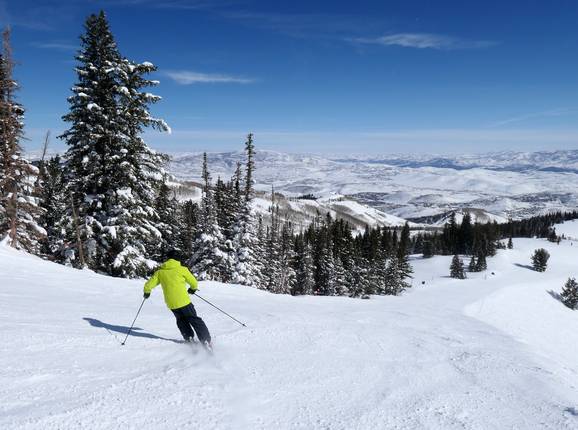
x,y
173,277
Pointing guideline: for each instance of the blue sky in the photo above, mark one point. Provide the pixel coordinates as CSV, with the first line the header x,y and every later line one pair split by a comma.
x,y
324,76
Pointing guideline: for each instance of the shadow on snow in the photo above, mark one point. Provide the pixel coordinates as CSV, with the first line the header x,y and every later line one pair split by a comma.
x,y
112,329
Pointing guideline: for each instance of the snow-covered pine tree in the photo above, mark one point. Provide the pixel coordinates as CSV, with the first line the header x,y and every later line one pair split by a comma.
x,y
457,268
169,224
19,210
112,173
286,259
360,278
377,273
395,276
341,278
403,266
272,252
210,258
188,214
304,281
250,167
54,203
540,260
569,293
325,271
249,263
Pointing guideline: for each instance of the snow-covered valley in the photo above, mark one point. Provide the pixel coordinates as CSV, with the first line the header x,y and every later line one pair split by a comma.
x,y
420,188
495,351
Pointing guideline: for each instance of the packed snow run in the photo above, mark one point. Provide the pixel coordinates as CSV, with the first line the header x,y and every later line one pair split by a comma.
x,y
495,351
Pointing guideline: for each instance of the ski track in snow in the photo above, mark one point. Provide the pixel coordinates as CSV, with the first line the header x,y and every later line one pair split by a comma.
x,y
485,353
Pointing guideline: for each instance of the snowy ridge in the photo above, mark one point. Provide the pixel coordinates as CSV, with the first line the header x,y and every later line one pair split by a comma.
x,y
504,184
448,354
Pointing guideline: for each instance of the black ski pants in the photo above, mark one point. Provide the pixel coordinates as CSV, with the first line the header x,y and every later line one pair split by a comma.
x,y
187,318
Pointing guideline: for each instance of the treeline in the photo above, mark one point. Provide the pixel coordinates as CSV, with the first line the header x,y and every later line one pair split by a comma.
x,y
234,245
482,240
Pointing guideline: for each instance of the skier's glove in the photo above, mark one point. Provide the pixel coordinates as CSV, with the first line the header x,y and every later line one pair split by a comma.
x,y
146,295
191,291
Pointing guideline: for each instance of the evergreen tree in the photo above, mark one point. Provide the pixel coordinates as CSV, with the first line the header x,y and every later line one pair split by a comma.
x,y
428,249
510,243
473,267
325,271
540,260
54,204
465,234
457,268
570,293
169,224
19,211
211,258
403,266
112,173
286,260
248,259
395,278
272,274
481,264
250,167
188,213
360,285
304,281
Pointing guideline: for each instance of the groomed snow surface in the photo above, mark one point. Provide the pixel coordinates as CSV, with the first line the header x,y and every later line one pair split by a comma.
x,y
491,352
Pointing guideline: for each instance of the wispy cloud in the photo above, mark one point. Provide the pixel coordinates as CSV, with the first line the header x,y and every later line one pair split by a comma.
x,y
186,77
543,114
55,45
425,41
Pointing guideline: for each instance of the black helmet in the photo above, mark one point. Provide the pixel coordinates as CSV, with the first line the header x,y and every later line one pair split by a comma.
x,y
174,254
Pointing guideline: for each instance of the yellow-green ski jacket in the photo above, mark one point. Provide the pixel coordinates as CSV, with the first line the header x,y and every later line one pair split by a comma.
x,y
173,277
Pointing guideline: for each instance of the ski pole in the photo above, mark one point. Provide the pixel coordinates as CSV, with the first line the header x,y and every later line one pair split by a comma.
x,y
132,325
221,310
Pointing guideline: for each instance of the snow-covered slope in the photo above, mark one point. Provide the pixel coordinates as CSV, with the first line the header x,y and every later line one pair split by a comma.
x,y
301,212
569,229
491,352
504,184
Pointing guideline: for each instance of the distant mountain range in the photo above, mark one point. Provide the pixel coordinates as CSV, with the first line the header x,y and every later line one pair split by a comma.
x,y
420,188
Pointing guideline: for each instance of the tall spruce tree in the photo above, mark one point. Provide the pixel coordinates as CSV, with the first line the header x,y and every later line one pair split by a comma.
x,y
248,261
169,224
304,281
112,173
188,214
54,203
19,210
211,258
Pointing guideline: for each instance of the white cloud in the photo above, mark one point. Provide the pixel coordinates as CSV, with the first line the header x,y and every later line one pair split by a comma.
x,y
425,41
184,77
